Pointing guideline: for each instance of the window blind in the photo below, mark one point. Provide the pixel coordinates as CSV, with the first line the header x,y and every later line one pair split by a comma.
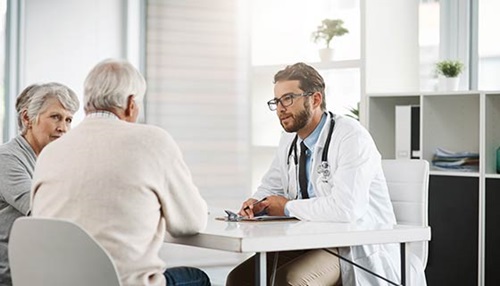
x,y
196,69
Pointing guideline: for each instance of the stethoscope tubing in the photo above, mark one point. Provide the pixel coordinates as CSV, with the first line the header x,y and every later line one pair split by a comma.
x,y
324,166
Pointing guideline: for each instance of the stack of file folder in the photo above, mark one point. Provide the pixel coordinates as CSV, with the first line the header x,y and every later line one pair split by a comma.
x,y
455,161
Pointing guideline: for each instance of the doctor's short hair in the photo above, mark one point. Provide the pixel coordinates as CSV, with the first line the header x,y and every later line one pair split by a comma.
x,y
31,101
109,84
309,79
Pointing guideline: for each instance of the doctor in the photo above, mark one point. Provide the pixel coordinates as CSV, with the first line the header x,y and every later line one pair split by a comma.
x,y
342,181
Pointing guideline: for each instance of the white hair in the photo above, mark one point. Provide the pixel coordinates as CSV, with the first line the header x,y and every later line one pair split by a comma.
x,y
110,83
34,97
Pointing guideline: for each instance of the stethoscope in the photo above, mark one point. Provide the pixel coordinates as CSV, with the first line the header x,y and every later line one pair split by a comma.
x,y
323,167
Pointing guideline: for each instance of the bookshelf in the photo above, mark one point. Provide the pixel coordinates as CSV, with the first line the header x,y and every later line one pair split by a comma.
x,y
463,206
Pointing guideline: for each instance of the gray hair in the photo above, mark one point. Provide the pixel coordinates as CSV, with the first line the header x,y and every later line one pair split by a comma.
x,y
33,98
110,83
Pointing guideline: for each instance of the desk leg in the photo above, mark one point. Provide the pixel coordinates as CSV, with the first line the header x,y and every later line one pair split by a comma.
x,y
405,269
260,267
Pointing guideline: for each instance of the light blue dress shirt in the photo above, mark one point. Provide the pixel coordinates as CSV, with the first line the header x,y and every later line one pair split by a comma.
x,y
310,143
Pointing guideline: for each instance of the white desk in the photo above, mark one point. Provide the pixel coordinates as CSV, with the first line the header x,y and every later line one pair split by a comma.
x,y
263,237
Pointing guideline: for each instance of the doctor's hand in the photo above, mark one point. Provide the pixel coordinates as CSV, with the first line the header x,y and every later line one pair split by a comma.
x,y
274,205
251,207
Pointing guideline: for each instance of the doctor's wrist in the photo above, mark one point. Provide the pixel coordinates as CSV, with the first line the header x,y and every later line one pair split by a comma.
x,y
286,211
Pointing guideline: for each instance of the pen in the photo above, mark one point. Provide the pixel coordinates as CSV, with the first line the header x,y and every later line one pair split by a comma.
x,y
259,201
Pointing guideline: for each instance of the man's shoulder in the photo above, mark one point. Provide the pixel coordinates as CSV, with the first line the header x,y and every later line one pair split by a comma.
x,y
131,129
151,131
12,149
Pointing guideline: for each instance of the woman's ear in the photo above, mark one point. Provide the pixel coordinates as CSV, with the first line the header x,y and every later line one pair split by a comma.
x,y
25,119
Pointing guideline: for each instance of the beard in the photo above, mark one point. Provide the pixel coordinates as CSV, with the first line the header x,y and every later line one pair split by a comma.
x,y
300,120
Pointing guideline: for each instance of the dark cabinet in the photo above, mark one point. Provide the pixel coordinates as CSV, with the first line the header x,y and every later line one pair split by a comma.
x,y
492,240
454,220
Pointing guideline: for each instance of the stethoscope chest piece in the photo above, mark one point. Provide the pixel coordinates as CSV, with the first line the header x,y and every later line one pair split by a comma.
x,y
324,171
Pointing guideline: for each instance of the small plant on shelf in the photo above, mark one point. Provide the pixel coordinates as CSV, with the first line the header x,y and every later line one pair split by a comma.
x,y
449,68
328,29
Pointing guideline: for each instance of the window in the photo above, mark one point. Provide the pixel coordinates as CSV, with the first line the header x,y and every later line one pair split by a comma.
x,y
488,45
281,30
3,14
281,35
429,43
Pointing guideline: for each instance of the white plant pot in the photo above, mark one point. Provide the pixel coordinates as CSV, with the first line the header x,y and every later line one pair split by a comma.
x,y
326,54
448,83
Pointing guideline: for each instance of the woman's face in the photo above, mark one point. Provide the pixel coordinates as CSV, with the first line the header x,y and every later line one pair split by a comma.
x,y
53,121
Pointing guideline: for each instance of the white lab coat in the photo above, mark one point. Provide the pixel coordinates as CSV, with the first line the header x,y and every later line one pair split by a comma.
x,y
355,192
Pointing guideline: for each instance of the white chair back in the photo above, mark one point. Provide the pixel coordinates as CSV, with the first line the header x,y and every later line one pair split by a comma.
x,y
408,183
52,252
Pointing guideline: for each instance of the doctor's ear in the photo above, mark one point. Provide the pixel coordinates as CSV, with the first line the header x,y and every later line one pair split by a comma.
x,y
317,98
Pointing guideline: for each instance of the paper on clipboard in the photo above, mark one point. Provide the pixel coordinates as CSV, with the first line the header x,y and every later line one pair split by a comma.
x,y
259,218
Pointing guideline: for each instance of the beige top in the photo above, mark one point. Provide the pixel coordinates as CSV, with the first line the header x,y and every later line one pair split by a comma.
x,y
126,184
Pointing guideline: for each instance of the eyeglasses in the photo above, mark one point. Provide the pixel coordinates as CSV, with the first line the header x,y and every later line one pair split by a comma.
x,y
286,100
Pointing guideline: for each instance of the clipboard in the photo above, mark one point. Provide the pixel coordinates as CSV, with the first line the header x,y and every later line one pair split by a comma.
x,y
259,218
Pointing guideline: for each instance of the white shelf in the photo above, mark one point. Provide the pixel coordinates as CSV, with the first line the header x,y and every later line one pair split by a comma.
x,y
457,121
453,173
450,120
492,176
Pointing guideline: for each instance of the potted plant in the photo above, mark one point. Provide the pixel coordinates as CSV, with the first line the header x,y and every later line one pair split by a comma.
x,y
325,32
354,112
448,72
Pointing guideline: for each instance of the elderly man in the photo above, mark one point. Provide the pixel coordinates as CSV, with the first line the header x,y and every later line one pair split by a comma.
x,y
125,183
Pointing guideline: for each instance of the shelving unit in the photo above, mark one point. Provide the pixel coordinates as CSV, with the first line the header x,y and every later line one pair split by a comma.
x,y
463,212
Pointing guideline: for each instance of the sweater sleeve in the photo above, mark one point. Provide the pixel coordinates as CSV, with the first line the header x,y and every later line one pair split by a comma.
x,y
185,210
15,183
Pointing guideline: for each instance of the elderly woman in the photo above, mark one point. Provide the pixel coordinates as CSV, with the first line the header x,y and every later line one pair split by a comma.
x,y
45,112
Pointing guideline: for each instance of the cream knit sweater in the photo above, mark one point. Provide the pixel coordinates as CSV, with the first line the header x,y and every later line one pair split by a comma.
x,y
126,184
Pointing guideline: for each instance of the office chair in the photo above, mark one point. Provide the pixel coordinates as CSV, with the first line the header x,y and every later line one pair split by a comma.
x,y
408,183
53,252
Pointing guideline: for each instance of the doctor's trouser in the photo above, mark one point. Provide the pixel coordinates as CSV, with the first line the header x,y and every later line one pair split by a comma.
x,y
302,267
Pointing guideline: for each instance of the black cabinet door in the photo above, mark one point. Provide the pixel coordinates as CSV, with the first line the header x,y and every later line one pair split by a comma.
x,y
453,217
492,250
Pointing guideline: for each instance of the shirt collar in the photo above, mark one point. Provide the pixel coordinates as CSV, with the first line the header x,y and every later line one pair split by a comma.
x,y
312,139
25,145
102,114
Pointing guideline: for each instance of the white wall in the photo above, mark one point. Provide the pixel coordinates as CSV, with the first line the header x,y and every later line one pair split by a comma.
x,y
63,39
392,49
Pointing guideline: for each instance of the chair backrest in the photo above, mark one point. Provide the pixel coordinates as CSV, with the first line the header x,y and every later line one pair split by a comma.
x,y
408,183
52,252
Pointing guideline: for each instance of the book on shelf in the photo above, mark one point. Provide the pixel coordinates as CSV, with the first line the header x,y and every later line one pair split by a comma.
x,y
455,161
407,131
